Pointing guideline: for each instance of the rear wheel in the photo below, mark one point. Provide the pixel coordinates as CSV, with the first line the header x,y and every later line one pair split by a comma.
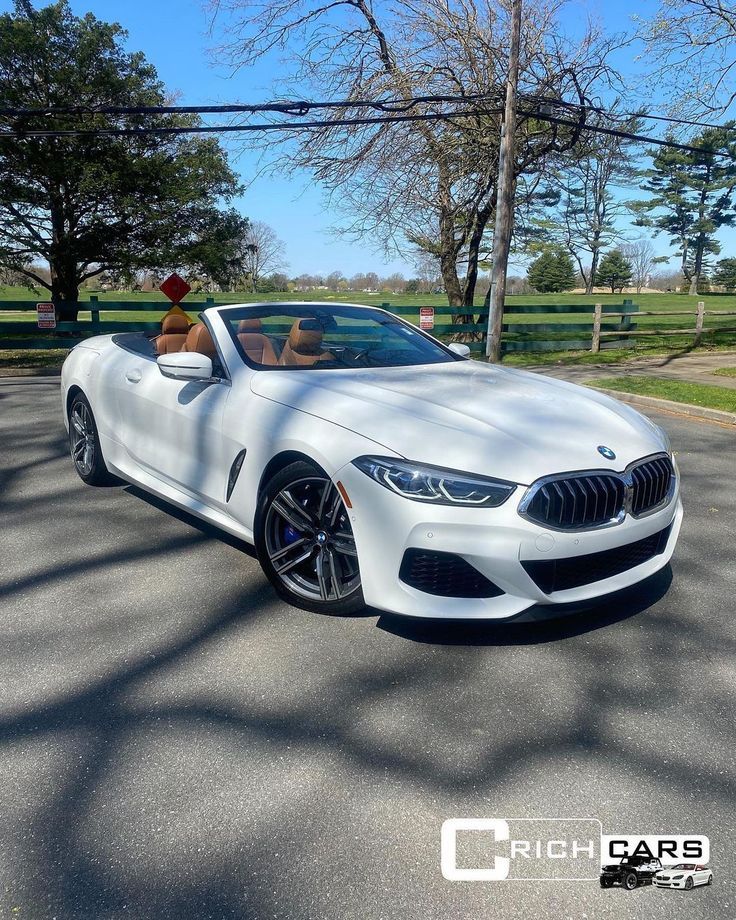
x,y
84,443
305,541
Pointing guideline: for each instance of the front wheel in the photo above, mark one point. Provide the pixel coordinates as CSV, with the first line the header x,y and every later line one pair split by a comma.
x,y
606,883
84,443
630,881
688,884
305,542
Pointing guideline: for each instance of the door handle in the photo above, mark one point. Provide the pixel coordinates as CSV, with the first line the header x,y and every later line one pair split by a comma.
x,y
133,376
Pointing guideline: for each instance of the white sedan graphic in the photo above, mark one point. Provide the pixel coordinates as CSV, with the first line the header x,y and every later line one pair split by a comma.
x,y
371,464
683,875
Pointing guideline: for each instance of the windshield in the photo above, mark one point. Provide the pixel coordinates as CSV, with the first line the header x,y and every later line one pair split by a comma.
x,y
324,336
688,866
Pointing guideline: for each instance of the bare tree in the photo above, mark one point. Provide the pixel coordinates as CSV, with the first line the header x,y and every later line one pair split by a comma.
x,y
640,255
586,218
262,251
668,281
693,43
427,185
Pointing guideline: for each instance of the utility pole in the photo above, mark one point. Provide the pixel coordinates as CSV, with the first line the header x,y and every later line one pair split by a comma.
x,y
504,195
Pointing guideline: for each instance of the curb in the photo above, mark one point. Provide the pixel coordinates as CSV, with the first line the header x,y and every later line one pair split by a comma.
x,y
667,405
30,371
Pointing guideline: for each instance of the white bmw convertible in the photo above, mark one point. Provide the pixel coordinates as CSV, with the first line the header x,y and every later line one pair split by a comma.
x,y
683,875
371,464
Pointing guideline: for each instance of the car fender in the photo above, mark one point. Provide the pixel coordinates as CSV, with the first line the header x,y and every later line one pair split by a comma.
x,y
274,429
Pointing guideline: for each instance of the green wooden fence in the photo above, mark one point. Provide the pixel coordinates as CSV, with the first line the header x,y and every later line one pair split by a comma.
x,y
518,336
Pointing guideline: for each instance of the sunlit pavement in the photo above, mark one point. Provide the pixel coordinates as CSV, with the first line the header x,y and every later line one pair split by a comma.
x,y
176,742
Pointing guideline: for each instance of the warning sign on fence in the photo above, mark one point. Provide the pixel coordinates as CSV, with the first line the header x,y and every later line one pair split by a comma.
x,y
426,317
45,316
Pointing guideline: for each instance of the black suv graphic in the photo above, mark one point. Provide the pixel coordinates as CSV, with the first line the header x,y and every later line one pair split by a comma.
x,y
631,872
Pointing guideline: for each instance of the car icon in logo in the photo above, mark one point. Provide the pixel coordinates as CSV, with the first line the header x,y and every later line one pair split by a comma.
x,y
606,452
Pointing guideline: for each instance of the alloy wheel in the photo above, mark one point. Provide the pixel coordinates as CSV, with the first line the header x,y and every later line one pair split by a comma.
x,y
309,540
82,438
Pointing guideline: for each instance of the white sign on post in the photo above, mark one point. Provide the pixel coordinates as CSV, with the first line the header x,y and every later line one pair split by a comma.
x,y
46,316
426,317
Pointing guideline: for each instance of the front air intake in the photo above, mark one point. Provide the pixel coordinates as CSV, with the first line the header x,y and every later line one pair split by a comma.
x,y
444,575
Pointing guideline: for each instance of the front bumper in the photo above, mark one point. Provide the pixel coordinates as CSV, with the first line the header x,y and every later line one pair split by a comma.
x,y
494,541
658,883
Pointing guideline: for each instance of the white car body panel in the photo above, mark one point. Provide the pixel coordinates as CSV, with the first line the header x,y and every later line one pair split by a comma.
x,y
178,439
470,416
677,878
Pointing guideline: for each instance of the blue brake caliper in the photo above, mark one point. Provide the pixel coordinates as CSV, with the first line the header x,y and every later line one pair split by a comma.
x,y
290,534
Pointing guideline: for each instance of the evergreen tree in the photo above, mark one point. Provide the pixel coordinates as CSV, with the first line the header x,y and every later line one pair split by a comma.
x,y
725,274
692,197
552,271
88,204
615,271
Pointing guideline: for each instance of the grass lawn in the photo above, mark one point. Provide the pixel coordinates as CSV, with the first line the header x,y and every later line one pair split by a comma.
x,y
26,357
726,371
695,394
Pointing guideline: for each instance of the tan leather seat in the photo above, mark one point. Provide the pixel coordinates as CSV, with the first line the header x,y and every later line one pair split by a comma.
x,y
303,348
174,329
256,345
199,339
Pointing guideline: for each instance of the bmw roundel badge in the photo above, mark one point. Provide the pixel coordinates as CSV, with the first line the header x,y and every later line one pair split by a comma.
x,y
606,452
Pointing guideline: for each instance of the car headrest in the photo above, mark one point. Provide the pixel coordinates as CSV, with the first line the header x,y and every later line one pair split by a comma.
x,y
305,337
174,323
250,325
200,340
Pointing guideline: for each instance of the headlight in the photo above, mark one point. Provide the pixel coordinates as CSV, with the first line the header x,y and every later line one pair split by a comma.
x,y
676,876
435,485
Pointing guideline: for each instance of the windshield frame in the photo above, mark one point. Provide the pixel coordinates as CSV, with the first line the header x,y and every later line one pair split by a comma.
x,y
307,305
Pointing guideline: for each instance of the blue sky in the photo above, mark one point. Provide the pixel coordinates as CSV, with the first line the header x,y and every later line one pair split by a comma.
x,y
173,36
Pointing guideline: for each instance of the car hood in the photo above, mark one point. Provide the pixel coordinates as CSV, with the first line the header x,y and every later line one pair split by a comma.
x,y
471,416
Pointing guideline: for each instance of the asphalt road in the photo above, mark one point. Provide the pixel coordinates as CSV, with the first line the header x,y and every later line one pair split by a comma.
x,y
175,742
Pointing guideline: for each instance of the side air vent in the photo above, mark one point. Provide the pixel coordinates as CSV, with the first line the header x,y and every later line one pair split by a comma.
x,y
444,575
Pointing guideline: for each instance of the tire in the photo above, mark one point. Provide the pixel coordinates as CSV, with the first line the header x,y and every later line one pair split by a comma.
x,y
630,881
305,542
710,880
606,883
689,883
84,444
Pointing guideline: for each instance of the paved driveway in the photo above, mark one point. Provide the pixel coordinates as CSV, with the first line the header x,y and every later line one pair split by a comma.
x,y
175,742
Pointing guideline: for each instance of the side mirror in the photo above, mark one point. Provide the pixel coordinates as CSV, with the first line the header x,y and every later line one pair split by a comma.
x,y
459,348
185,365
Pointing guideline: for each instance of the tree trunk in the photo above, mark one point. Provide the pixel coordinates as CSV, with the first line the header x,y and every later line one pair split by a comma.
x,y
62,265
593,269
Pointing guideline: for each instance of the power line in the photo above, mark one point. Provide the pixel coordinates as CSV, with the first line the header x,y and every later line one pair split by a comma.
x,y
21,133
266,126
303,107
551,100
390,107
285,107
625,135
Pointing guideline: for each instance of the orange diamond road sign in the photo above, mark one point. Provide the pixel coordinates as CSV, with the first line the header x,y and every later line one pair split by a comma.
x,y
175,288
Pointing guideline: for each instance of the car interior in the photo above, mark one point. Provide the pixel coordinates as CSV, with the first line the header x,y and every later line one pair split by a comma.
x,y
285,341
303,347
